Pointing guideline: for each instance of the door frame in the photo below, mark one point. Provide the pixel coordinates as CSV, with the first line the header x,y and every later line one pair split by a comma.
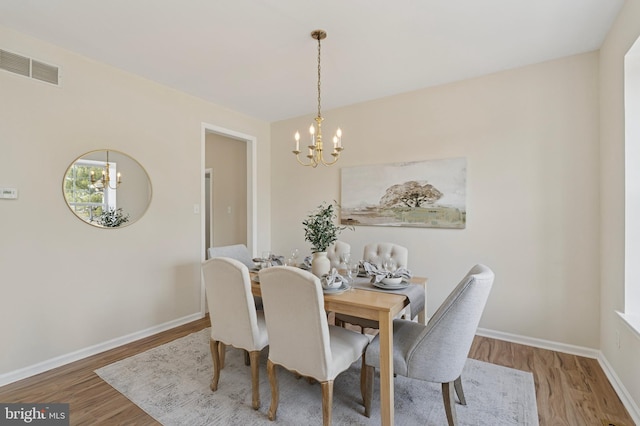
x,y
252,191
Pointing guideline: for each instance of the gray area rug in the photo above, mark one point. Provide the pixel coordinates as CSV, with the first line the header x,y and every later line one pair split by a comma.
x,y
171,383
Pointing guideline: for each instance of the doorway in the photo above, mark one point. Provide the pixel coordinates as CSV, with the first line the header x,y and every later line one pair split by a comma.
x,y
230,214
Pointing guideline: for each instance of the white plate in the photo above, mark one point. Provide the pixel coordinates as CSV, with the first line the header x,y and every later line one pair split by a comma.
x,y
341,289
403,284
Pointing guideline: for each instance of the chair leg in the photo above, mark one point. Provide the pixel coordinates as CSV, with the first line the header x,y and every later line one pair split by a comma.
x,y
327,402
459,391
273,381
363,378
215,356
368,372
449,403
222,350
247,358
255,378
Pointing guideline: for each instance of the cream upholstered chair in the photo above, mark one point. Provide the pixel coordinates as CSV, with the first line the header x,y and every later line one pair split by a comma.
x,y
234,318
238,252
437,352
377,253
335,252
300,338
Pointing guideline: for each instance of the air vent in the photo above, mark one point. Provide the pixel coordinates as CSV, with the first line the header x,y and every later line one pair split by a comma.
x,y
14,63
28,67
44,72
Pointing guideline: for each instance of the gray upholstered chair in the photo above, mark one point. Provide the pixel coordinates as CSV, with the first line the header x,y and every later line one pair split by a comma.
x,y
377,253
437,352
335,252
234,318
238,252
300,338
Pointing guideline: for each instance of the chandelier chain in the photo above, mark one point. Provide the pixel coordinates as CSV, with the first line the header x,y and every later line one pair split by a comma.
x,y
319,76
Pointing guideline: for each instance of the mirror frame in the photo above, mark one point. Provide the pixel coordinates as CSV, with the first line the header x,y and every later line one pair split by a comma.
x,y
142,171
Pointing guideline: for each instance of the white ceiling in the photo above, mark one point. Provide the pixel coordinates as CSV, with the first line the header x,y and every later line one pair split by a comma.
x,y
257,57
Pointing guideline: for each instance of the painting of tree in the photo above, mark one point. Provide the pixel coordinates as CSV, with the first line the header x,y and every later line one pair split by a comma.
x,y
410,194
417,194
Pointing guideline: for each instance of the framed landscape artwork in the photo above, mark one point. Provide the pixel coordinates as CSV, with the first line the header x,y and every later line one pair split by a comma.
x,y
424,194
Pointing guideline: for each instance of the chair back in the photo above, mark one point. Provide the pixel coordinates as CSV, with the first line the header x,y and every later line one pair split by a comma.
x,y
296,320
335,251
439,354
235,251
378,252
231,305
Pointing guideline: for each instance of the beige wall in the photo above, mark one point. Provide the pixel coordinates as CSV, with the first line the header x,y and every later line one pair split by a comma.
x,y
66,286
624,360
530,136
228,159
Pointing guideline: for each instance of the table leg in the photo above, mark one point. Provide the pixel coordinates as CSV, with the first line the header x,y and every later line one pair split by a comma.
x,y
422,316
386,368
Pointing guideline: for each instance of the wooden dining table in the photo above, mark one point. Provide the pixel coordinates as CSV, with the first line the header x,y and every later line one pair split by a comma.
x,y
381,306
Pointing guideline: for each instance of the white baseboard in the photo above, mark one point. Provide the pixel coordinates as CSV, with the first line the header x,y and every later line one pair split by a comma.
x,y
622,392
32,370
540,343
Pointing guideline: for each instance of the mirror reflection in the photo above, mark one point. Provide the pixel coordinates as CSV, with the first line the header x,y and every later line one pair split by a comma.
x,y
107,189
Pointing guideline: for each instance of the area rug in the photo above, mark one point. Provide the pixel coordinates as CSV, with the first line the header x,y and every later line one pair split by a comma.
x,y
171,383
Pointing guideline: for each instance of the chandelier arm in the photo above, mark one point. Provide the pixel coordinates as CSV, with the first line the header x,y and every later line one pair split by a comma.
x,y
310,163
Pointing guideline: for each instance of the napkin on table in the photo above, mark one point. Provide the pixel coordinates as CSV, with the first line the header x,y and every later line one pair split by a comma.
x,y
333,276
378,273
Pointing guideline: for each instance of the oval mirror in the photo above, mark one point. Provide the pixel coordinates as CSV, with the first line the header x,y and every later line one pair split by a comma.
x,y
107,189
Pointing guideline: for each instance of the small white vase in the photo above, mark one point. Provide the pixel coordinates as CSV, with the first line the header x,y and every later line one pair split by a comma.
x,y
320,264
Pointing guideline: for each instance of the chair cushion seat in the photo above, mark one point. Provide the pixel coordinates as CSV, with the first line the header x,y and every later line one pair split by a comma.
x,y
346,347
405,335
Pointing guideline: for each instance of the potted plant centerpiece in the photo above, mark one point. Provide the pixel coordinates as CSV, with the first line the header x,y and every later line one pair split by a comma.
x,y
321,231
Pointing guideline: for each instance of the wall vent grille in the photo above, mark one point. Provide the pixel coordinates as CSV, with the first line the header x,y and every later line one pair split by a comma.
x,y
28,67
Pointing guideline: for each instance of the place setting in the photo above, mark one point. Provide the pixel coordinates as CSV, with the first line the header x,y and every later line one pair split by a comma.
x,y
386,276
334,283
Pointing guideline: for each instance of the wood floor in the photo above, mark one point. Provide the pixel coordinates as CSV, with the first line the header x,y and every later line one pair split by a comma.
x,y
570,390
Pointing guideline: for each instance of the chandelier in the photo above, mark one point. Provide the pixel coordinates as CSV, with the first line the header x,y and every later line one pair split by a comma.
x,y
315,154
105,180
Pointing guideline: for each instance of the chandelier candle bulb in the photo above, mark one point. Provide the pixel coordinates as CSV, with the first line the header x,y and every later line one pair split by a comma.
x,y
297,138
312,131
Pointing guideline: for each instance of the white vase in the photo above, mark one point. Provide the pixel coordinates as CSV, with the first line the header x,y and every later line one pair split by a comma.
x,y
320,264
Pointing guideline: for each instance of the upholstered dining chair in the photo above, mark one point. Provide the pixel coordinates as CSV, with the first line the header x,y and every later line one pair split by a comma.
x,y
300,338
377,253
437,352
335,252
239,252
234,318
236,251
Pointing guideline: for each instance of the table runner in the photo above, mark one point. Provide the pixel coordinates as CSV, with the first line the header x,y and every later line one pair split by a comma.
x,y
415,293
